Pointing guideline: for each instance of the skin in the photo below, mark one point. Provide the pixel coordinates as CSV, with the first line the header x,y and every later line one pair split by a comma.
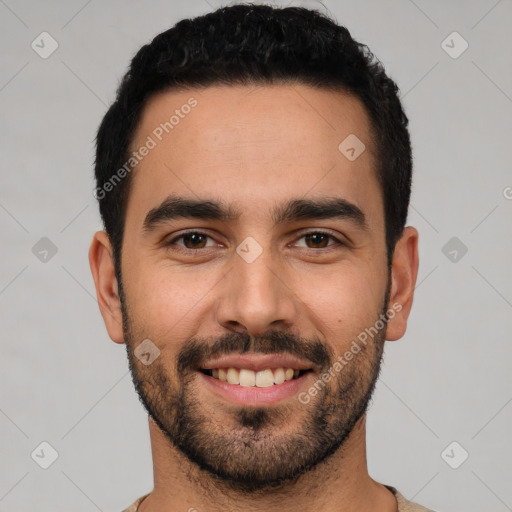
x,y
255,147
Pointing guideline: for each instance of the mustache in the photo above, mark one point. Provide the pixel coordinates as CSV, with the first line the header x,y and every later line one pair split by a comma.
x,y
197,351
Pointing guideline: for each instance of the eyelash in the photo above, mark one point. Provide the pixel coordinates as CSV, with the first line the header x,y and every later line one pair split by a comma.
x,y
171,242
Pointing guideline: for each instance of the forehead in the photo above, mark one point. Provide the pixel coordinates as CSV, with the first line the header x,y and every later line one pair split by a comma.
x,y
253,145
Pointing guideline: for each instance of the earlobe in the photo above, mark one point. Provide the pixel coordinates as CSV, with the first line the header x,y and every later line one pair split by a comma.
x,y
107,293
403,281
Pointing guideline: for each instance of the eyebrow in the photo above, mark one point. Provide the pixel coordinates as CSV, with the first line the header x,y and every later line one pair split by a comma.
x,y
177,207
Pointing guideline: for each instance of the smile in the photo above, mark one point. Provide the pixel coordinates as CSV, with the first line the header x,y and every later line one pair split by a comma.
x,y
250,378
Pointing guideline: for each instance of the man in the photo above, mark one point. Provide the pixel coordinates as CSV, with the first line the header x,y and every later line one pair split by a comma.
x,y
253,177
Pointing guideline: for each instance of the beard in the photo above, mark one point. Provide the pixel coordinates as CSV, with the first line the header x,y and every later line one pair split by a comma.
x,y
254,449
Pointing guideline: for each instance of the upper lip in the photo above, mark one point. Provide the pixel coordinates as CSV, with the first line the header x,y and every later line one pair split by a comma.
x,y
257,362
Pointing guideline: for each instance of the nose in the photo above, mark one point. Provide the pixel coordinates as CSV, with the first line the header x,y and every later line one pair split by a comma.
x,y
256,296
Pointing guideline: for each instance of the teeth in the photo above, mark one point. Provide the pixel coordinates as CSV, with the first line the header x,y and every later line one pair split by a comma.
x,y
279,376
233,376
249,378
264,378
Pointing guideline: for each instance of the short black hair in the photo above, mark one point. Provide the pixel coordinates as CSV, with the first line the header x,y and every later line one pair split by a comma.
x,y
248,44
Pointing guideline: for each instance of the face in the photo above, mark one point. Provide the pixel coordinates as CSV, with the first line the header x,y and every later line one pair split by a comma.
x,y
250,236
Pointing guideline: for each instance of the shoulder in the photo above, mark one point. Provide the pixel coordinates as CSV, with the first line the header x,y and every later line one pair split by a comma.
x,y
135,505
405,505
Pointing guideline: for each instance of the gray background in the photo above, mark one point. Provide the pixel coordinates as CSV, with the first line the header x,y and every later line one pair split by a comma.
x,y
65,382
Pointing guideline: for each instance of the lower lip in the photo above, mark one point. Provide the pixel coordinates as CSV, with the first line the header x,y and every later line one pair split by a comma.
x,y
253,395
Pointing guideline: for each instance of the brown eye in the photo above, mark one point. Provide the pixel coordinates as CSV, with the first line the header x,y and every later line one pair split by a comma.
x,y
318,240
192,240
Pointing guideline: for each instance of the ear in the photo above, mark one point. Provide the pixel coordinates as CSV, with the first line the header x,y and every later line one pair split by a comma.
x,y
103,272
404,272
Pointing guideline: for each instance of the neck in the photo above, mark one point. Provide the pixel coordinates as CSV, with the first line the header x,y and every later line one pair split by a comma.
x,y
340,483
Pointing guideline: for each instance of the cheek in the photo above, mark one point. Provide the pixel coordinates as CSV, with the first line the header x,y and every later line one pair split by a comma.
x,y
166,301
344,301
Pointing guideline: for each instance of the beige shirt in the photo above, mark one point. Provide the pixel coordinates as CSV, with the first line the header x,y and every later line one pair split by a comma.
x,y
403,504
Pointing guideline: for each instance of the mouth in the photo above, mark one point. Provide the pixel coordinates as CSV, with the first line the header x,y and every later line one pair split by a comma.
x,y
253,379
246,377
254,388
